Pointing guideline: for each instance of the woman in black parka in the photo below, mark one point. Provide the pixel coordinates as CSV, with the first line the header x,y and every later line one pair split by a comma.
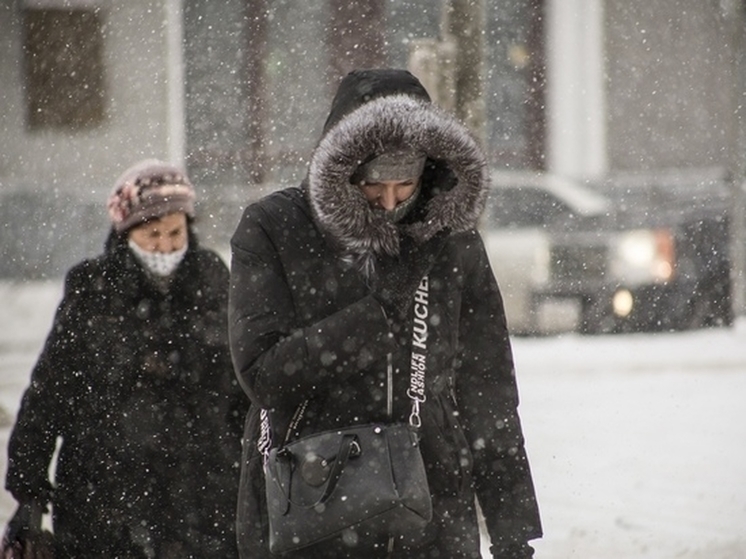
x,y
322,282
136,382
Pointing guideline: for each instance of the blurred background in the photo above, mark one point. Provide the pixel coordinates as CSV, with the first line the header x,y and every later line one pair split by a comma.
x,y
615,127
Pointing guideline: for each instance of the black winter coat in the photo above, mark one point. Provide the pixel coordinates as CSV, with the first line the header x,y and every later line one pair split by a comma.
x,y
305,325
137,385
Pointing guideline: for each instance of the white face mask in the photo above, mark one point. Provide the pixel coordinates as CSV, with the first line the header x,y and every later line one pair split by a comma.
x,y
161,264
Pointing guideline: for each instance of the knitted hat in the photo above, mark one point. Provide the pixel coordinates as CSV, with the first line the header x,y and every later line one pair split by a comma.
x,y
390,166
148,190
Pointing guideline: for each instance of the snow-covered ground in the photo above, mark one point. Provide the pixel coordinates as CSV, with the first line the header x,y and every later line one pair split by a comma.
x,y
637,443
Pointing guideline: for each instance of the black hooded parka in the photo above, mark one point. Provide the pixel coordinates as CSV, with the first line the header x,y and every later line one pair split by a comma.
x,y
306,326
136,382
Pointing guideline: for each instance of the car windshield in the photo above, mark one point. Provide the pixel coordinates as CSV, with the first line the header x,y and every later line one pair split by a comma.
x,y
517,207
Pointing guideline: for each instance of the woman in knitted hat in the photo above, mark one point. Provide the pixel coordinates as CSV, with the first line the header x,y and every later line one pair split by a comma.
x,y
135,381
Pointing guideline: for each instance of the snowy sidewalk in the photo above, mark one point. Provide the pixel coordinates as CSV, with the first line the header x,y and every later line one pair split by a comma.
x,y
637,443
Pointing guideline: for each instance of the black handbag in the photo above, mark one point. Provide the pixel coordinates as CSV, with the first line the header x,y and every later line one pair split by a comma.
x,y
369,479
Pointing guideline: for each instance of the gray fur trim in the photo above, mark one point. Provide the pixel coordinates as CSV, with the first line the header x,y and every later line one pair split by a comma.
x,y
393,123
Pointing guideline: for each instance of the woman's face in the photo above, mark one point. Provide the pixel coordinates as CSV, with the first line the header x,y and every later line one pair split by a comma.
x,y
166,234
388,194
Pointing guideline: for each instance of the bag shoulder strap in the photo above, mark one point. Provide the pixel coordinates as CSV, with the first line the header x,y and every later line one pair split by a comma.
x,y
418,368
418,361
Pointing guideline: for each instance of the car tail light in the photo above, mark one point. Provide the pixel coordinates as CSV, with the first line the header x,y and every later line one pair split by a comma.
x,y
665,261
644,256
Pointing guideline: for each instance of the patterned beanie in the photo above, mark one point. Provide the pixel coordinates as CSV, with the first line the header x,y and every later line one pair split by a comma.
x,y
148,190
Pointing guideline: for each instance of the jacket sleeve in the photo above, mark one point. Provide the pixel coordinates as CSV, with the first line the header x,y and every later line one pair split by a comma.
x,y
487,397
206,305
49,398
278,359
216,337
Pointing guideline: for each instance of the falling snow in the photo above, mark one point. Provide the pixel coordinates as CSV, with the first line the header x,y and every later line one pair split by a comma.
x,y
636,441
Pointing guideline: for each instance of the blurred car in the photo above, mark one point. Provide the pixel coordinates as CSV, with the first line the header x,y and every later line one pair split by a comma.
x,y
631,253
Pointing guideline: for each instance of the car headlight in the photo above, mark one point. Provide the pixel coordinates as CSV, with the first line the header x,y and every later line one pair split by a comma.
x,y
644,256
623,302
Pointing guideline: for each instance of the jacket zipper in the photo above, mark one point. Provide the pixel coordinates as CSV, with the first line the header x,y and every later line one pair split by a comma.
x,y
389,386
390,413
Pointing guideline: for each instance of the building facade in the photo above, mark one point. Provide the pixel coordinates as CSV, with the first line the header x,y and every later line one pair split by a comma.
x,y
581,88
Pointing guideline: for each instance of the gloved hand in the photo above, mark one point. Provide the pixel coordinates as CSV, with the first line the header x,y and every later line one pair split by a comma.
x,y
399,277
24,537
512,551
20,524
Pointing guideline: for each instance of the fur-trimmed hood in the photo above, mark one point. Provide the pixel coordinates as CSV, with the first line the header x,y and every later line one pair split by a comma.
x,y
455,181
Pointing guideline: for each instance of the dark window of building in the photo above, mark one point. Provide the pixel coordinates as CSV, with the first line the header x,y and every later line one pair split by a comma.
x,y
64,68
